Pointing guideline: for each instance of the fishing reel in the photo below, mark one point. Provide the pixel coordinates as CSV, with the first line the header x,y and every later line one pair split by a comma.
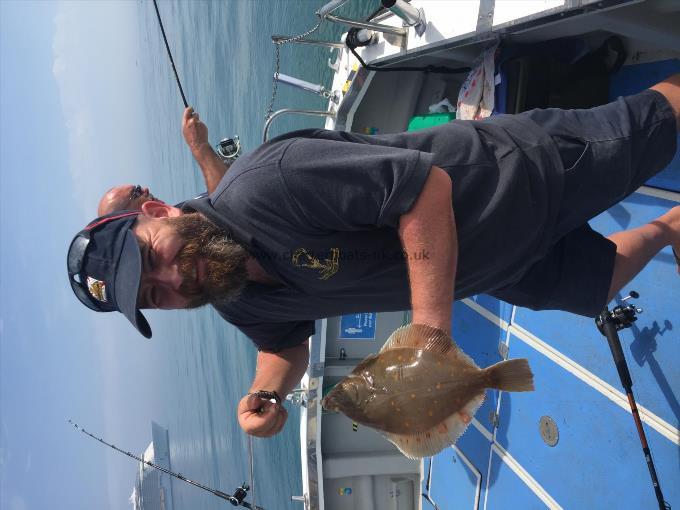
x,y
229,149
239,494
622,316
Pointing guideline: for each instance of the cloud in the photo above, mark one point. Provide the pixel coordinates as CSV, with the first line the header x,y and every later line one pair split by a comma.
x,y
95,47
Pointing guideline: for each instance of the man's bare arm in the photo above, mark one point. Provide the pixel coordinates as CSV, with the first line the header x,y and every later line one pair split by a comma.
x,y
276,371
196,135
428,237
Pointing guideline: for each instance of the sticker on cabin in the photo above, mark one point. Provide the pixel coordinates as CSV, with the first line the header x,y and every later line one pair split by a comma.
x,y
358,326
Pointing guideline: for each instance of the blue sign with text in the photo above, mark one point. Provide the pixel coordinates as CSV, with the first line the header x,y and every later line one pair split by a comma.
x,y
358,326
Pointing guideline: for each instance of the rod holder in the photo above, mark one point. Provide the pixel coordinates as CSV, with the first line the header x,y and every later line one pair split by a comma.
x,y
411,16
309,87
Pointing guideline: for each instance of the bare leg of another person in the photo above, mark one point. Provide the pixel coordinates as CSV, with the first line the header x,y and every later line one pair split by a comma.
x,y
636,247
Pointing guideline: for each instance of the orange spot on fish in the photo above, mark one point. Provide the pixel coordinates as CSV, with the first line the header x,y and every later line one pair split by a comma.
x,y
438,386
429,413
413,395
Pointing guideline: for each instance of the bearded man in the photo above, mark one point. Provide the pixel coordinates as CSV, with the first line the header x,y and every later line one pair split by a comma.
x,y
320,223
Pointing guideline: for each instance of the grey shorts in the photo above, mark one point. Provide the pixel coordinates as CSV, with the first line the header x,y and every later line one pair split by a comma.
x,y
607,152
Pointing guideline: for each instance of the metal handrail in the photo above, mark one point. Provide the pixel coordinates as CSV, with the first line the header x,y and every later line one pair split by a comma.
x,y
330,7
386,29
315,113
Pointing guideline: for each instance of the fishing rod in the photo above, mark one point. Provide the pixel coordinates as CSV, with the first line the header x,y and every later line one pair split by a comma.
x,y
172,61
252,469
229,148
609,323
236,499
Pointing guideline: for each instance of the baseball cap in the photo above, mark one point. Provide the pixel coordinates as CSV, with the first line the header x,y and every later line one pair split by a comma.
x,y
104,266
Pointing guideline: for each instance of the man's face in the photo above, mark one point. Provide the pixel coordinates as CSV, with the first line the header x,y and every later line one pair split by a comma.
x,y
187,262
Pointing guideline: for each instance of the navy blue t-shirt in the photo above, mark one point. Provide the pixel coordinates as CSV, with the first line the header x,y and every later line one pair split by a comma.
x,y
320,210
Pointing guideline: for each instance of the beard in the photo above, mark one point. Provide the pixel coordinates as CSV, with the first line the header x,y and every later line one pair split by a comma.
x,y
226,275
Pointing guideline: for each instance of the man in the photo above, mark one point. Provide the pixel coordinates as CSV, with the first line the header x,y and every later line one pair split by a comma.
x,y
320,223
195,132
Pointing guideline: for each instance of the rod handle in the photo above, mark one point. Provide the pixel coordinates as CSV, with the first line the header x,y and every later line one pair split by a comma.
x,y
609,331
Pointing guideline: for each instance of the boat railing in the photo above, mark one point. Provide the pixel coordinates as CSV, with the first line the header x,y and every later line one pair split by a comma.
x,y
411,17
285,111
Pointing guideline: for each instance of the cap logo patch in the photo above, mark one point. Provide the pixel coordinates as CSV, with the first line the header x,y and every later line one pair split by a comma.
x,y
97,289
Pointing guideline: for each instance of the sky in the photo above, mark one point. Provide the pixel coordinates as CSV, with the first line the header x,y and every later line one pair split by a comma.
x,y
72,125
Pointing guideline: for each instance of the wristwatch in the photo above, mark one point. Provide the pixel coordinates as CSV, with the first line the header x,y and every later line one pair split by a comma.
x,y
267,395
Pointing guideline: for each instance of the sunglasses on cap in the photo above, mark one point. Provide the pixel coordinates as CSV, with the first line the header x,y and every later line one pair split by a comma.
x,y
86,290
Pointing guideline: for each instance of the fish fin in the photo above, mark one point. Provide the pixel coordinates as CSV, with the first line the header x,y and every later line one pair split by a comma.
x,y
446,433
471,407
420,336
364,363
511,375
417,446
429,338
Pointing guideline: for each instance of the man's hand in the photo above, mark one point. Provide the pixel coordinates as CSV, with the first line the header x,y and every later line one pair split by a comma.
x,y
260,417
279,372
194,131
196,135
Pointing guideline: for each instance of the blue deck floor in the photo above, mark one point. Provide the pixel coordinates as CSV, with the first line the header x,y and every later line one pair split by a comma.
x,y
598,461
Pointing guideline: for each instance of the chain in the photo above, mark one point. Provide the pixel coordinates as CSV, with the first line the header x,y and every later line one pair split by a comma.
x,y
278,62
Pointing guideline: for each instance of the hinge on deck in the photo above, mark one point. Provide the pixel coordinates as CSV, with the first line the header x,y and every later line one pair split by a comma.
x,y
503,350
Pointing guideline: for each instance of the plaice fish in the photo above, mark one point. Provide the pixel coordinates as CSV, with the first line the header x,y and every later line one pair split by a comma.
x,y
421,390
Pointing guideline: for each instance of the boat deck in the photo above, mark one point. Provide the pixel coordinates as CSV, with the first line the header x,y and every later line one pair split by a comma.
x,y
572,443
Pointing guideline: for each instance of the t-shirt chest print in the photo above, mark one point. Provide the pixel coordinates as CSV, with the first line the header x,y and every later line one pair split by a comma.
x,y
325,268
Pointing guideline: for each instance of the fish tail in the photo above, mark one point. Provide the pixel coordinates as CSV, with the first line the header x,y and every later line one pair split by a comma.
x,y
511,375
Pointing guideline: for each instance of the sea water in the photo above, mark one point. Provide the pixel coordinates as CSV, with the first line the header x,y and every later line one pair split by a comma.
x,y
225,60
